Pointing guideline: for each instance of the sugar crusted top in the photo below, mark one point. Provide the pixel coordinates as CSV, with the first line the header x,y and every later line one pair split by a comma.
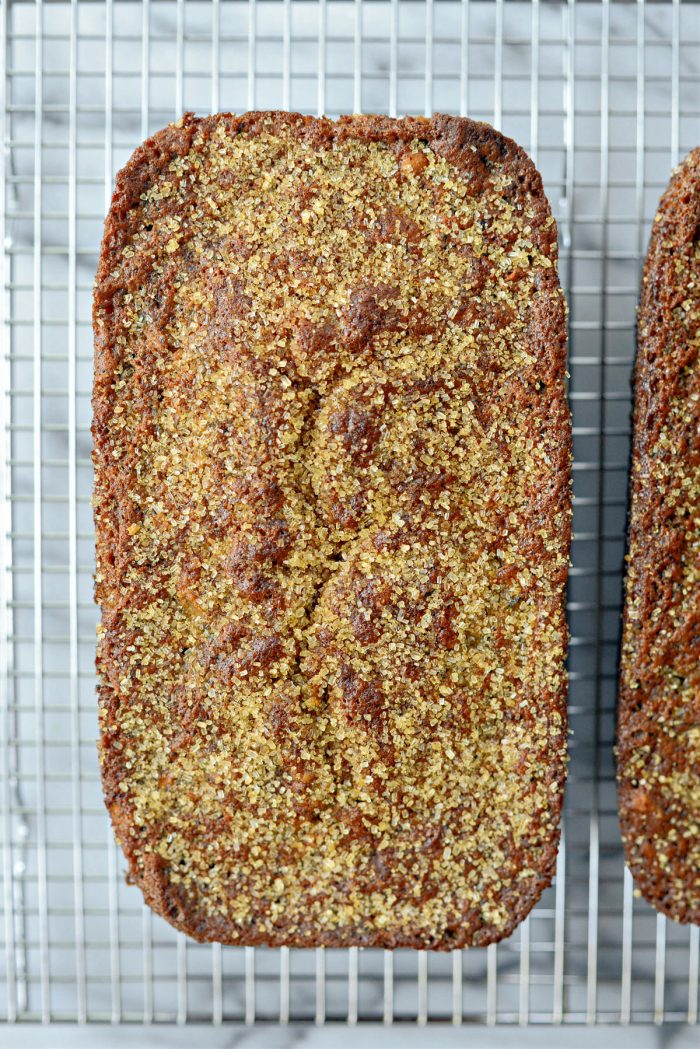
x,y
332,503
659,720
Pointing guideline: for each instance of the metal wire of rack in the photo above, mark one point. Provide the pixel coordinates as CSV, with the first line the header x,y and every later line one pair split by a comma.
x,y
606,97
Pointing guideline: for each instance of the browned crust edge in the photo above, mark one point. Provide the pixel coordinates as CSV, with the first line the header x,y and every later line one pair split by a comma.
x,y
658,364
466,144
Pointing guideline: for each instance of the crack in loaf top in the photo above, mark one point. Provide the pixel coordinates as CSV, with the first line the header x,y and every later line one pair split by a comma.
x,y
332,501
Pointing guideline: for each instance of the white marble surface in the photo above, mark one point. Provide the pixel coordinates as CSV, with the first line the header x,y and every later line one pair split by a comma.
x,y
368,1036
80,942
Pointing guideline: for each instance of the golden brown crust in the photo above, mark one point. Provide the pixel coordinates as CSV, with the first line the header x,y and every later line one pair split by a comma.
x,y
658,745
332,455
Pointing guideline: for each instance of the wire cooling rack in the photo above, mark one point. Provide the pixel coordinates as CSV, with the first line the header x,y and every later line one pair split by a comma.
x,y
606,97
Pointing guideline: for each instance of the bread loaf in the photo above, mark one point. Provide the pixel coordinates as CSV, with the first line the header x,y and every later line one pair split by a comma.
x,y
659,701
332,500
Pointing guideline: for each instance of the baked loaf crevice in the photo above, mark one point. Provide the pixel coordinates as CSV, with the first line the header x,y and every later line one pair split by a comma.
x,y
658,745
332,500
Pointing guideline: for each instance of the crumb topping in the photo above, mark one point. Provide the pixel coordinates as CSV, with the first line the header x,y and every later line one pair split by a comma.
x,y
332,503
659,734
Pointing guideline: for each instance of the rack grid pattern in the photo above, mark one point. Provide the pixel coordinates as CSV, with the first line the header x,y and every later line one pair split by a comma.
x,y
606,97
